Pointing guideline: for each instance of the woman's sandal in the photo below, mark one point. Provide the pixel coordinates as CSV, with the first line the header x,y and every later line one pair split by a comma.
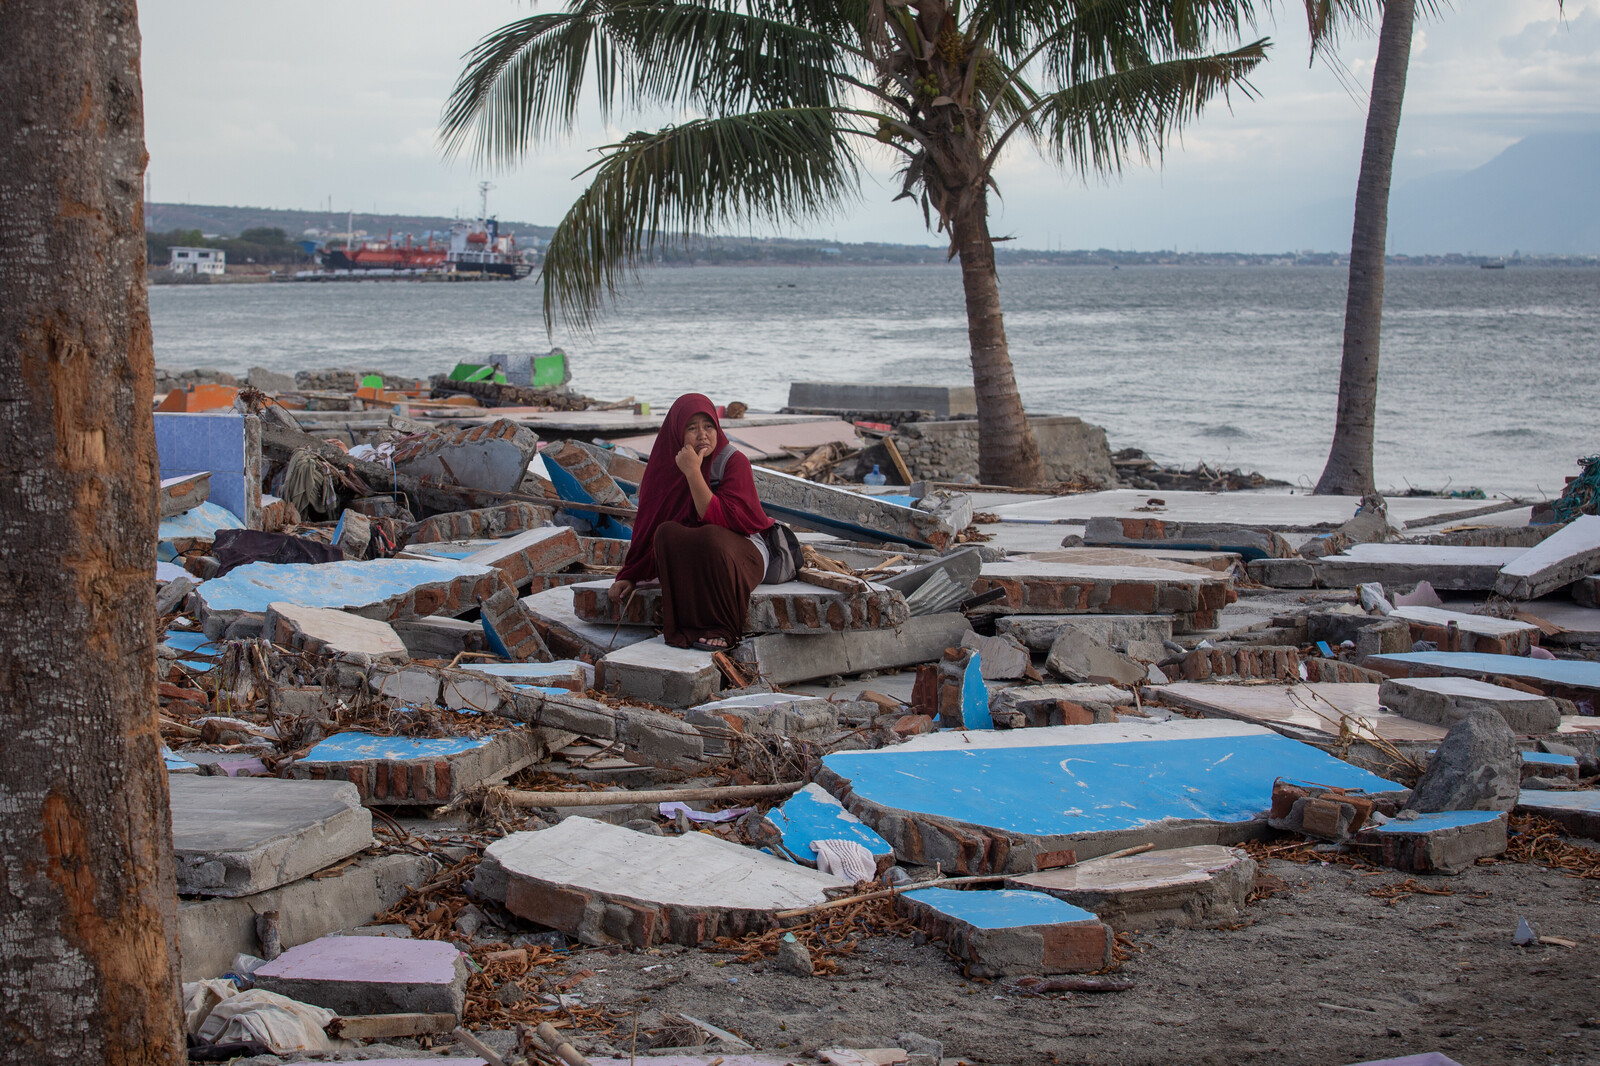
x,y
706,644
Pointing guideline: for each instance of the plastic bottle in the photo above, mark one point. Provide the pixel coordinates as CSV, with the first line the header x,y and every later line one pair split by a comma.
x,y
874,478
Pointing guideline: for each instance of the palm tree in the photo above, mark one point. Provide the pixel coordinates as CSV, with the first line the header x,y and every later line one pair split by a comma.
x,y
1349,470
790,96
88,912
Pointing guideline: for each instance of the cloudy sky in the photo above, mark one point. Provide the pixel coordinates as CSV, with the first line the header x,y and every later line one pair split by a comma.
x,y
295,103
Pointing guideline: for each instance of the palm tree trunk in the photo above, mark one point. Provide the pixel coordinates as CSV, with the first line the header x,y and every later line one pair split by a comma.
x,y
1349,470
88,907
1008,454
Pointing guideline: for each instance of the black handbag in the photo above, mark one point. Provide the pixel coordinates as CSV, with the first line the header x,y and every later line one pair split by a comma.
x,y
783,547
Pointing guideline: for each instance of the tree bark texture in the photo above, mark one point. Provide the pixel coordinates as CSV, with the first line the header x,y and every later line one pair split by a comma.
x,y
88,901
1008,453
1349,470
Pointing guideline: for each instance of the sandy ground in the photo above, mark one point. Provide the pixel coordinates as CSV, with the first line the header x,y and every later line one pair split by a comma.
x,y
1324,970
1321,972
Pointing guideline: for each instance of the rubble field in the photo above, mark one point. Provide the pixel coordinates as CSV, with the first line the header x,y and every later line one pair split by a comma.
x,y
1083,774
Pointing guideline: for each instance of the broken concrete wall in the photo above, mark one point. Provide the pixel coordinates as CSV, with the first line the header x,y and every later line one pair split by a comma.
x,y
225,443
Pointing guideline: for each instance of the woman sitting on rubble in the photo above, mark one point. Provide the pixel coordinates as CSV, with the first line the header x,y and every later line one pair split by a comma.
x,y
698,531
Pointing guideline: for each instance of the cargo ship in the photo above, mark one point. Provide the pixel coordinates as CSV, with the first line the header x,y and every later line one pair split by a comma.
x,y
387,256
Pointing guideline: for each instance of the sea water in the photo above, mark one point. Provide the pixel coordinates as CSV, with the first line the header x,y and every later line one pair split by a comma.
x,y
1489,378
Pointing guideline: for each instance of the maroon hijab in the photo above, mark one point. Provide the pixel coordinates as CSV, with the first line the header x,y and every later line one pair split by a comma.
x,y
664,494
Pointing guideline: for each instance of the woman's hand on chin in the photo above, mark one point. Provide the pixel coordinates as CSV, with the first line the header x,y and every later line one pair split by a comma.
x,y
619,590
688,459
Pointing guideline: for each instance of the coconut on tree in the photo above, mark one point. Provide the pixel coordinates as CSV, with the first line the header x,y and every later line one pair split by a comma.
x,y
789,100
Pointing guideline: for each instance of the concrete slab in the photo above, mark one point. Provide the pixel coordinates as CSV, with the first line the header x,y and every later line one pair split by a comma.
x,y
493,456
178,494
567,634
1179,886
1548,765
782,658
812,814
438,637
1558,560
1280,511
196,525
1578,812
1068,588
1444,701
942,401
212,931
792,607
1039,631
338,634
991,801
371,975
481,522
1008,931
852,515
1003,658
1190,536
655,672
781,714
237,836
1576,623
1444,566
1479,632
418,771
376,588
1445,842
537,551
1555,676
1317,709
604,884
570,674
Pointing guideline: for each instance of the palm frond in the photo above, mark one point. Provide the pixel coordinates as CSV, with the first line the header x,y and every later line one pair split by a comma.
x,y
1096,126
1015,28
655,188
526,80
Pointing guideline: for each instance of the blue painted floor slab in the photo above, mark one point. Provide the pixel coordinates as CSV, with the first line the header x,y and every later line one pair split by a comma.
x,y
1426,823
812,814
1545,758
1586,801
525,671
339,585
360,747
177,764
1045,782
1006,908
198,523
1567,672
184,640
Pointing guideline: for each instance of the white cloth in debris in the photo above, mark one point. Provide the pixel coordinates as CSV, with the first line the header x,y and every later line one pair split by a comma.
x,y
845,858
281,1023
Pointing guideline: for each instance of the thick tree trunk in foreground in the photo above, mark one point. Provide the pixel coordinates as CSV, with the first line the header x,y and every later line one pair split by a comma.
x,y
1349,470
88,966
1008,454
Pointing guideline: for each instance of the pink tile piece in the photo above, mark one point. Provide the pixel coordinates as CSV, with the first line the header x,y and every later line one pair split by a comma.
x,y
369,959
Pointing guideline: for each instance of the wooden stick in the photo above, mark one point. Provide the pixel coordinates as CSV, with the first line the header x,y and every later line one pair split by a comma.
x,y
478,1046
1119,854
895,458
563,1050
518,798
383,1026
883,893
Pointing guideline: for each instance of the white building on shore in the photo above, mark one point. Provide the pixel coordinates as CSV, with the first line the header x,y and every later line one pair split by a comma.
x,y
197,261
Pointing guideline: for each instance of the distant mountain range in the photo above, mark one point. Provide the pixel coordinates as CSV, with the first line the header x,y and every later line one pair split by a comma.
x,y
1536,197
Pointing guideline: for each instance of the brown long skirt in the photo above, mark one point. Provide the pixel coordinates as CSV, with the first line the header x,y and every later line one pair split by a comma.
x,y
707,575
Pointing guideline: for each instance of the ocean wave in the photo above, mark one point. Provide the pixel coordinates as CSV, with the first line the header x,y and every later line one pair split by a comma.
x,y
1225,431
